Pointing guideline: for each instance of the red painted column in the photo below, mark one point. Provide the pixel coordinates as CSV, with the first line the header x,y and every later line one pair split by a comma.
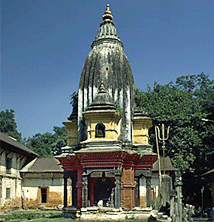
x,y
79,186
92,191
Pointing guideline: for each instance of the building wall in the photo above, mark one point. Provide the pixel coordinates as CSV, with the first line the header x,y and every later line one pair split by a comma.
x,y
140,134
17,162
10,193
109,120
33,184
141,131
10,182
154,190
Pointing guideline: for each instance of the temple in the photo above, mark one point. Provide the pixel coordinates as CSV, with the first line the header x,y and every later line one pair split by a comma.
x,y
108,156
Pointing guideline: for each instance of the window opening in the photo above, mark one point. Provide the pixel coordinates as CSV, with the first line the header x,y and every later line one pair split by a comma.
x,y
7,193
100,130
8,165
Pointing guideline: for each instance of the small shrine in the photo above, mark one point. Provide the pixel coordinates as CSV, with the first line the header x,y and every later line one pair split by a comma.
x,y
108,157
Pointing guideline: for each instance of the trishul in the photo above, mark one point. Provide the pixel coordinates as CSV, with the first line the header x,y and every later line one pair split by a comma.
x,y
163,138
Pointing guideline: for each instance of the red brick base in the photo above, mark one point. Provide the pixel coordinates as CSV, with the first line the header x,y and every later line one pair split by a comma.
x,y
128,189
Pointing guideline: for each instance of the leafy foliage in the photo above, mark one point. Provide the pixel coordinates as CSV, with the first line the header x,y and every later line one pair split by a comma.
x,y
48,144
182,106
8,124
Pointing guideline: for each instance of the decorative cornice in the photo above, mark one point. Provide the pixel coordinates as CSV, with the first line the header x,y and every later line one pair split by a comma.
x,y
108,159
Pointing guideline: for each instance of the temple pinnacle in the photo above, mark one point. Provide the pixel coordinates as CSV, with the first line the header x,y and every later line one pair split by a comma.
x,y
107,16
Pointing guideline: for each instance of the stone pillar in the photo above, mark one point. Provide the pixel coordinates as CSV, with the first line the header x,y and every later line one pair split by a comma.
x,y
79,186
65,192
118,174
74,192
178,188
172,205
85,190
148,191
137,192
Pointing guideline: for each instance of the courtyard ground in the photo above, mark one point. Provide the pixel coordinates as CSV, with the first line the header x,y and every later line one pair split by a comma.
x,y
46,216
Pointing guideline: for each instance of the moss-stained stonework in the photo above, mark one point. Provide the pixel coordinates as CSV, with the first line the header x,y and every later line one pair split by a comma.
x,y
107,63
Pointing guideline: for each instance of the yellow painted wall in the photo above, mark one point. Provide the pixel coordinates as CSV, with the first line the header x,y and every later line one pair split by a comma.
x,y
31,189
141,131
11,180
72,132
110,120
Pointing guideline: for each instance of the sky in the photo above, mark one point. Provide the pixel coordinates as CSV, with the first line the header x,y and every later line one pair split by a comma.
x,y
44,44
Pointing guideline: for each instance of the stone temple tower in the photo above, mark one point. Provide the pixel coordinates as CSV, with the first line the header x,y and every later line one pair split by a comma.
x,y
108,64
107,150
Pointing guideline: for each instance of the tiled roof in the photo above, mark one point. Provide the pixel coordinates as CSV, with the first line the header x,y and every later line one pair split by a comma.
x,y
14,144
166,164
42,165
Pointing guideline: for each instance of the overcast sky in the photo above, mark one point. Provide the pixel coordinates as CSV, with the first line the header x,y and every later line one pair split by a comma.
x,y
44,44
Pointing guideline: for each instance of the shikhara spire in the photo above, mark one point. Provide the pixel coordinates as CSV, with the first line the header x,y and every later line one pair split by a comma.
x,y
107,64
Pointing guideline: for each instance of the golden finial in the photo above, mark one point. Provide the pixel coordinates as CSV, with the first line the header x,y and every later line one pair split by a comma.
x,y
102,87
107,15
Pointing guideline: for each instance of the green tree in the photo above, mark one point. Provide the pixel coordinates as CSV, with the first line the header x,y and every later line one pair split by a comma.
x,y
60,136
41,143
202,88
48,144
175,108
8,124
182,106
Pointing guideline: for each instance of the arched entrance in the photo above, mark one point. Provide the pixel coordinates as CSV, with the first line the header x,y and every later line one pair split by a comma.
x,y
103,190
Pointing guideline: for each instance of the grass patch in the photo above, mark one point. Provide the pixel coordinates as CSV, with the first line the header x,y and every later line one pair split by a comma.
x,y
62,219
29,215
48,216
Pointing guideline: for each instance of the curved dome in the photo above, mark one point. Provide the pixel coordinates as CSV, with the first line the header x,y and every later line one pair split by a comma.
x,y
107,63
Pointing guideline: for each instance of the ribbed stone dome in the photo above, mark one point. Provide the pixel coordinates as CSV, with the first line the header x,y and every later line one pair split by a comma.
x,y
107,63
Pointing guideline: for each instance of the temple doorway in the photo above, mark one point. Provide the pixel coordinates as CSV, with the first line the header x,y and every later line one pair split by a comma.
x,y
103,191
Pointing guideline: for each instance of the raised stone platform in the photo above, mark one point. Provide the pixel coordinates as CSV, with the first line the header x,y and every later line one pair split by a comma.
x,y
70,212
107,213
112,214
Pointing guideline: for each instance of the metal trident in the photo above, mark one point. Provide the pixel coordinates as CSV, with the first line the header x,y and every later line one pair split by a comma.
x,y
163,138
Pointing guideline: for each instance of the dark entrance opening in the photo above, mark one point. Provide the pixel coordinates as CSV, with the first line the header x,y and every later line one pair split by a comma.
x,y
43,195
102,190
